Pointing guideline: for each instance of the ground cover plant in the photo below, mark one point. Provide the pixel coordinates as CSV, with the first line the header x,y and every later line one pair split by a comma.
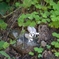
x,y
16,16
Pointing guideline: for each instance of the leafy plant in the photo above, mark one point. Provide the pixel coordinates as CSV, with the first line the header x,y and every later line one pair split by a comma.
x,y
31,53
48,46
3,45
5,54
17,4
4,8
55,43
12,41
55,34
56,54
29,3
54,14
35,17
3,25
37,50
27,20
39,55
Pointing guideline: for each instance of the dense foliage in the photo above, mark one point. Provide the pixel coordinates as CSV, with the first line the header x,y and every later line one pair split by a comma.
x,y
47,13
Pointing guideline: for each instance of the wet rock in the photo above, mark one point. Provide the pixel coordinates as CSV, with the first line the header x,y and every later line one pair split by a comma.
x,y
43,43
48,55
43,33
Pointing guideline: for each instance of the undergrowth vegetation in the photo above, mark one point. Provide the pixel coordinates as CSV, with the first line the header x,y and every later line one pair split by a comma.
x,y
47,13
34,12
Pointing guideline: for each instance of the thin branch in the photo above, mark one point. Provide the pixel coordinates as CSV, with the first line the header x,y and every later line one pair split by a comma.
x,y
10,13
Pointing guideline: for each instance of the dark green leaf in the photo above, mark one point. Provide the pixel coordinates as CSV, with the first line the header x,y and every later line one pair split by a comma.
x,y
3,8
3,25
5,54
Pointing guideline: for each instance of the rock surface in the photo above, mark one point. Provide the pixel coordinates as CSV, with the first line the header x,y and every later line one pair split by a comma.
x,y
43,33
43,43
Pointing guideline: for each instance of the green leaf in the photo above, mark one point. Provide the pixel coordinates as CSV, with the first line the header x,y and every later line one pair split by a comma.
x,y
21,20
3,25
27,3
1,44
54,24
34,2
27,23
17,4
30,16
3,8
39,50
5,45
45,14
55,34
58,40
48,46
56,54
56,45
38,21
37,17
47,1
5,54
53,43
32,23
12,42
44,21
39,55
36,48
38,6
31,53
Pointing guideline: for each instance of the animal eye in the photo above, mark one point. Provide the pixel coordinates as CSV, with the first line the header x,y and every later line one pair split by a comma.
x,y
31,35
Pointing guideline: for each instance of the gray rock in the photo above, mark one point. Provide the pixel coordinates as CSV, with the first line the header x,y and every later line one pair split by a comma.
x,y
43,43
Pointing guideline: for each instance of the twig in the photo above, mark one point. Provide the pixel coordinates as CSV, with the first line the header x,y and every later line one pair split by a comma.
x,y
10,13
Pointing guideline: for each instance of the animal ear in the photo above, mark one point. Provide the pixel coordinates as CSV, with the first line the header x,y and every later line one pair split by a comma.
x,y
33,30
29,29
